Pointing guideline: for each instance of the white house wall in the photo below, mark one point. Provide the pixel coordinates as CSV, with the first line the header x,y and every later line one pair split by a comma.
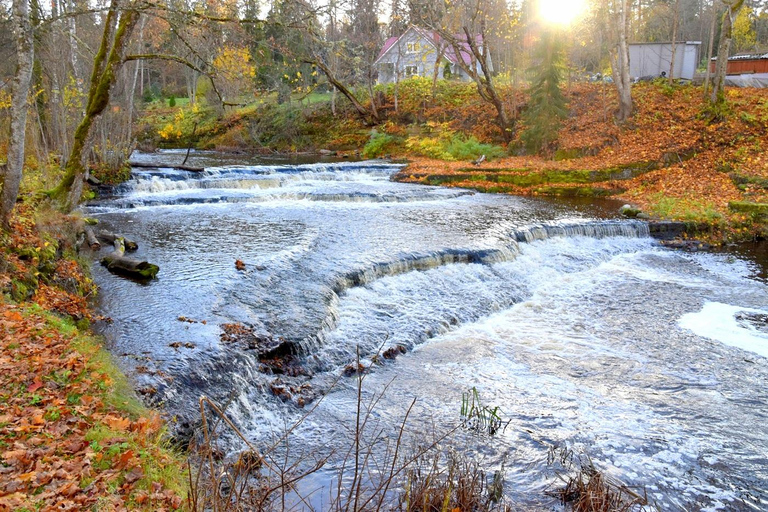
x,y
424,60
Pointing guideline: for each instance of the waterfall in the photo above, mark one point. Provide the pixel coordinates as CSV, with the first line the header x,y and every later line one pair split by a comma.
x,y
486,256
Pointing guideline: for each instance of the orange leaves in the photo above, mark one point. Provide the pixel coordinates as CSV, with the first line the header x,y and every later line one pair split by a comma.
x,y
48,460
117,423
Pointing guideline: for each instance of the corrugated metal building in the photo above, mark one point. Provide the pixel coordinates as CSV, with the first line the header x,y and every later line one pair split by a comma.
x,y
746,63
651,59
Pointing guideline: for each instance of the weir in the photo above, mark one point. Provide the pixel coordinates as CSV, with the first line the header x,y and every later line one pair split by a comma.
x,y
563,315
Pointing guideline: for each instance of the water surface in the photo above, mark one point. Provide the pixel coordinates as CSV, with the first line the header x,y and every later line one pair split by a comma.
x,y
584,331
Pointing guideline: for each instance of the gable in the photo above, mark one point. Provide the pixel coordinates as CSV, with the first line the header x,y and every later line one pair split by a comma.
x,y
421,36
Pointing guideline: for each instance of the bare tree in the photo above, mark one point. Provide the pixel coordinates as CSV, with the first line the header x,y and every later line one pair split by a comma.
x,y
620,63
675,22
19,93
732,8
710,45
464,30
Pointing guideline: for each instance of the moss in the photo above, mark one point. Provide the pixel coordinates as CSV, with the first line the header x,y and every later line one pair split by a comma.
x,y
747,207
743,181
577,191
20,291
568,154
528,178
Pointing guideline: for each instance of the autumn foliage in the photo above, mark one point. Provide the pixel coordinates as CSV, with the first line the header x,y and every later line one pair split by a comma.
x,y
71,436
694,167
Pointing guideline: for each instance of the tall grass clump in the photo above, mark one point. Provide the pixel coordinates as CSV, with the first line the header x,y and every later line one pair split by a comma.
x,y
379,145
444,144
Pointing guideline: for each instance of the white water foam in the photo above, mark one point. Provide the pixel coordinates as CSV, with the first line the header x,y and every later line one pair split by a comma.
x,y
718,322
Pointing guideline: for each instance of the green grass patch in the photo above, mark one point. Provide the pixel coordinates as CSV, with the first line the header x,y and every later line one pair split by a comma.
x,y
159,462
685,209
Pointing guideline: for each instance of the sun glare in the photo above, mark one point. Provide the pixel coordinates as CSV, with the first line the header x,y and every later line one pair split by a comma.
x,y
561,12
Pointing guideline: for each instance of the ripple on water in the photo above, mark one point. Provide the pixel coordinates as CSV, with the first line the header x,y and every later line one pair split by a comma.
x,y
590,343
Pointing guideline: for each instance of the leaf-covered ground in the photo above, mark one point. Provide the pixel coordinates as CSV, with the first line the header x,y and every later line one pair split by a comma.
x,y
72,437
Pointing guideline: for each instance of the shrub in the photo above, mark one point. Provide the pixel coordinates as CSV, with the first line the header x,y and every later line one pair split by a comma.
x,y
450,146
379,145
172,101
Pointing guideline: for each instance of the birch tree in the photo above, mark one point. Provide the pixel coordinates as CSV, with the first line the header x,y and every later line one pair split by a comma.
x,y
620,63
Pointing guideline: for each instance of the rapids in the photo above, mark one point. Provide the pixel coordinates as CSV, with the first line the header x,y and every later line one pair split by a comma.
x,y
579,326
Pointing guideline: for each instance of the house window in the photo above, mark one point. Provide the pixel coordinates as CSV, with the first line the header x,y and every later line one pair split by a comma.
x,y
411,70
412,47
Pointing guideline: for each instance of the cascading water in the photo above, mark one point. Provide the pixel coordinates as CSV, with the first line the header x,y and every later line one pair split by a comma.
x,y
584,332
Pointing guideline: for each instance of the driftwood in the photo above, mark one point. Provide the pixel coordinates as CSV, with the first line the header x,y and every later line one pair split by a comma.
x,y
93,243
180,167
109,238
118,263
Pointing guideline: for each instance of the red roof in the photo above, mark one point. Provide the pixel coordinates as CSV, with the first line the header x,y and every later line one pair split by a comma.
x,y
465,53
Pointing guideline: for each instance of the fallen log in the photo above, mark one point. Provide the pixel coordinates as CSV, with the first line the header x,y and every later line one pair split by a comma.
x,y
109,238
93,243
179,167
117,263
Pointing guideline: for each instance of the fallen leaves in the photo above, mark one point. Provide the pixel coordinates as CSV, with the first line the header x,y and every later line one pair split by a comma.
x,y
700,162
61,446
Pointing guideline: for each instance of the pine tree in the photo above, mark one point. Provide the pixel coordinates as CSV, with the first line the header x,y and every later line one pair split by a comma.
x,y
547,106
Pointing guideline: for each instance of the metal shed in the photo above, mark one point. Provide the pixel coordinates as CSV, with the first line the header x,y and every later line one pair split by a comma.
x,y
744,63
651,59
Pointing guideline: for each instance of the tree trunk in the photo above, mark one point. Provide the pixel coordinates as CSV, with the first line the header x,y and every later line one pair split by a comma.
x,y
483,79
90,238
19,95
436,70
675,22
724,48
118,27
620,67
710,46
110,238
117,263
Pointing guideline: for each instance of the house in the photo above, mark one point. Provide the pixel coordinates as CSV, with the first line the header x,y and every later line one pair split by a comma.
x,y
742,64
653,59
415,52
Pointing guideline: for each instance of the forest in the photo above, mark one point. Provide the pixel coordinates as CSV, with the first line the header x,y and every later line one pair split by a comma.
x,y
548,108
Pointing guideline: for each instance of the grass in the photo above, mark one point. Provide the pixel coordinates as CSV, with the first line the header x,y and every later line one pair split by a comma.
x,y
686,209
159,462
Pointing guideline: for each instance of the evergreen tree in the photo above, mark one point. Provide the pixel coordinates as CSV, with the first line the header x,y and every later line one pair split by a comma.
x,y
547,106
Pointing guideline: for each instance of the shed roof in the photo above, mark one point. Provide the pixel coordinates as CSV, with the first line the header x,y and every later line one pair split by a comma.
x,y
747,56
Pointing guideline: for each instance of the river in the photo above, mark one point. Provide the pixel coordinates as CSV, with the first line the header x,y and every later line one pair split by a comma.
x,y
584,331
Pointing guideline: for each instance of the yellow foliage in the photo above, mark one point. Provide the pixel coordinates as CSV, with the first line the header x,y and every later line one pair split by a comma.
x,y
235,71
73,97
172,130
234,64
5,100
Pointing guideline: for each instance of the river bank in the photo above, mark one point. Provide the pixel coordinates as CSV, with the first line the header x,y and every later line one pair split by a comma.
x,y
670,160
73,435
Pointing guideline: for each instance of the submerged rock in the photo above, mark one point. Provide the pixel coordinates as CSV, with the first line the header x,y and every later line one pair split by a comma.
x,y
686,245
